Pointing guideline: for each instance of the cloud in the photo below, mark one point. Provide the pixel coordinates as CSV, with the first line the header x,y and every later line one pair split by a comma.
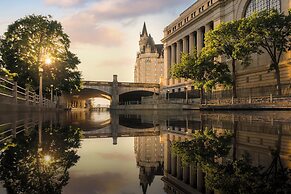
x,y
87,25
83,28
64,3
97,183
115,156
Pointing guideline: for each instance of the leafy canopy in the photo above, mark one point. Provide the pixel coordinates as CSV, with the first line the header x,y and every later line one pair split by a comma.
x,y
202,69
26,45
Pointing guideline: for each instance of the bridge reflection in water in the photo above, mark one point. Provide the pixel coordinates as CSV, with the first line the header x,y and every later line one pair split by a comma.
x,y
155,132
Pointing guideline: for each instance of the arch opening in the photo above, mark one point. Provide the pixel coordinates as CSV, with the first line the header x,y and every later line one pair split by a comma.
x,y
134,97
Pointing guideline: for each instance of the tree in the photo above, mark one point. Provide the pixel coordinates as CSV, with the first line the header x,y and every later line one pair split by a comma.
x,y
272,33
26,44
232,41
23,165
202,70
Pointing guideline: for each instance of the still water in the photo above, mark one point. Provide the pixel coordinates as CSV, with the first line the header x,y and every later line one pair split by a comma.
x,y
132,152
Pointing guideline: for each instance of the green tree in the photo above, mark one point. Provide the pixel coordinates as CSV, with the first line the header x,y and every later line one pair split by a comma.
x,y
203,70
25,169
27,43
231,40
272,33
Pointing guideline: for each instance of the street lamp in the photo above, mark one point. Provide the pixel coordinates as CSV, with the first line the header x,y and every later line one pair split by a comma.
x,y
47,61
52,93
168,95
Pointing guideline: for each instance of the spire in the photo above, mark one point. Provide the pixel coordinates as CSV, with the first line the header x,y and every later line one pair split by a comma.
x,y
144,30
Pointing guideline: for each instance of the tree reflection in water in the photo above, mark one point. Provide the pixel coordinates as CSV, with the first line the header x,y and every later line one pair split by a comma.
x,y
28,165
227,174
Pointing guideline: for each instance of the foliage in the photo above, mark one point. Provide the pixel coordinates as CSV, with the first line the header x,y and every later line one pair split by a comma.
x,y
231,41
272,33
23,167
211,151
26,45
203,71
6,74
204,147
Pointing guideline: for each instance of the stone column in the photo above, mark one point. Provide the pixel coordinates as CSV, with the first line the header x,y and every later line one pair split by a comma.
x,y
179,50
114,126
193,176
199,40
191,42
185,174
179,168
173,54
167,156
208,27
167,63
173,165
200,179
114,92
185,45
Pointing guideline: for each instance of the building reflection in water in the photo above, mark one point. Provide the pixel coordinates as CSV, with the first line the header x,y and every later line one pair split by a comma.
x,y
260,134
149,158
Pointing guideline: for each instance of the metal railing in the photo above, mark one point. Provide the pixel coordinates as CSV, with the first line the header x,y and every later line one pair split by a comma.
x,y
19,95
10,130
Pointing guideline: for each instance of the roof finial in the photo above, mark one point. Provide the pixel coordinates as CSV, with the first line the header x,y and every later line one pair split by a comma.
x,y
144,30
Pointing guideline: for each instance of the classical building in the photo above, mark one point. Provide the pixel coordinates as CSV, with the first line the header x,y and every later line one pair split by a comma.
x,y
149,158
187,32
149,65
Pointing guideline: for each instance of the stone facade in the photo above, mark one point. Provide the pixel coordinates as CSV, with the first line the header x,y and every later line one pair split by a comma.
x,y
149,65
188,30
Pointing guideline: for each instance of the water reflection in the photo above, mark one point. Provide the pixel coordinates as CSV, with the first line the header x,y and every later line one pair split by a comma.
x,y
38,160
131,152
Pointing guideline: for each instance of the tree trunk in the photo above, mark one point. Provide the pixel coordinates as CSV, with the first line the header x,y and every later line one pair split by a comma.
x,y
233,79
234,143
201,95
278,78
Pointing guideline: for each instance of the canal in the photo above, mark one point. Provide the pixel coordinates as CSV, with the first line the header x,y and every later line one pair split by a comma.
x,y
153,152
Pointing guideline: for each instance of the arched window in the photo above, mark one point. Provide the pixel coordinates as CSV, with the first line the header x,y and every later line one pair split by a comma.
x,y
260,5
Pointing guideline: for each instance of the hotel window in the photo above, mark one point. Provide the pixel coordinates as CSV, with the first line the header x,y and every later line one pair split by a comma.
x,y
260,5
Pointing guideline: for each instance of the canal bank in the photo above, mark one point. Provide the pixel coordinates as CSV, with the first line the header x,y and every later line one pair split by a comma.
x,y
208,107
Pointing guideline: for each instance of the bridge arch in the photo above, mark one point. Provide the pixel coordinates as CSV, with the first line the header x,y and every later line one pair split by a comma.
x,y
134,96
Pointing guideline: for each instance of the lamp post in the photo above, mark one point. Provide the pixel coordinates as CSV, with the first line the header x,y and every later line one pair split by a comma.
x,y
52,93
186,94
168,95
40,69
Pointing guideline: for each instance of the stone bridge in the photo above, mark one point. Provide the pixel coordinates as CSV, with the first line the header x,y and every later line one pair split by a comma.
x,y
116,92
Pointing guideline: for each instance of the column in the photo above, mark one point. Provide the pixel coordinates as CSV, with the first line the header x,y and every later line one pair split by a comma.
x,y
114,93
167,63
208,27
179,50
173,58
185,45
173,54
199,40
186,174
179,168
200,179
193,176
191,42
173,165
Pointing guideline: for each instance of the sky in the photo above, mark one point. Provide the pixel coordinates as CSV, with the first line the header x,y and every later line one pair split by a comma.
x,y
104,34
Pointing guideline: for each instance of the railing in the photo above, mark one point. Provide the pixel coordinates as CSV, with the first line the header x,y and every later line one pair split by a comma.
x,y
19,95
10,130
251,100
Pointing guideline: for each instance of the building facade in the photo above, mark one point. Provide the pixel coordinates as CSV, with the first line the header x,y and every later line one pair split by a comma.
x,y
149,65
188,30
